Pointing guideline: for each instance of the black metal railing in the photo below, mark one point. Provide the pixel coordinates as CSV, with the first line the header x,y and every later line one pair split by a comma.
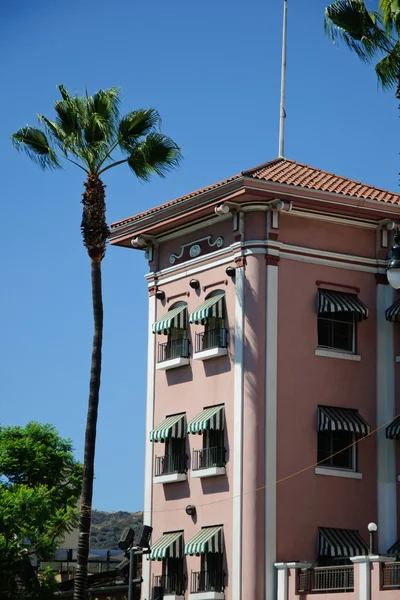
x,y
208,457
173,349
326,579
391,576
172,584
212,338
171,463
207,581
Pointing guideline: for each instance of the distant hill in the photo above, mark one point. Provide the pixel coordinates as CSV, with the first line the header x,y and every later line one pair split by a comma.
x,y
108,526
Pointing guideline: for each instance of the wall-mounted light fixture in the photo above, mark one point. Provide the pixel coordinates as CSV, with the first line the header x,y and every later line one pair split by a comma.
x,y
160,295
190,510
230,271
194,284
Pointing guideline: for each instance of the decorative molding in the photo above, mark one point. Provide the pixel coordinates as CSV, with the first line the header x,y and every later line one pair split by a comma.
x,y
177,295
342,285
272,260
240,261
152,290
381,279
224,281
195,247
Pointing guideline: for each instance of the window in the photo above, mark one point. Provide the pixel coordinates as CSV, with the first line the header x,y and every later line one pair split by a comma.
x,y
331,442
213,452
212,572
173,576
337,331
211,314
175,456
174,325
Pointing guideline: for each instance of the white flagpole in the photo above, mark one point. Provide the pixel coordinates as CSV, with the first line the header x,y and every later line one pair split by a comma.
x,y
283,84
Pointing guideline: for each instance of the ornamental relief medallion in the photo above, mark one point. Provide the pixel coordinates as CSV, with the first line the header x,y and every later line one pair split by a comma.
x,y
193,249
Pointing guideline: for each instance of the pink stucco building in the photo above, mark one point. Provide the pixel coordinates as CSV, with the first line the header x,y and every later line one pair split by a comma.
x,y
273,357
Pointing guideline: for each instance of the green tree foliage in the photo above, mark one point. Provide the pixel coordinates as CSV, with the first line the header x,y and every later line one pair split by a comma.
x,y
40,483
372,35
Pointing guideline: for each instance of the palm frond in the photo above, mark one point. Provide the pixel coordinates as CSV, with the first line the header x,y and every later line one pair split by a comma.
x,y
157,154
350,22
135,125
101,115
388,69
390,10
35,144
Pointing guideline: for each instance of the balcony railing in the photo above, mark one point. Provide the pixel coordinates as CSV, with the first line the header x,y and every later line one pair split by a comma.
x,y
208,457
173,349
171,463
326,579
172,584
213,338
207,581
391,576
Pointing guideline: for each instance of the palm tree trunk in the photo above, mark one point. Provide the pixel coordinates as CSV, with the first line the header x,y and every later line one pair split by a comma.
x,y
94,232
81,574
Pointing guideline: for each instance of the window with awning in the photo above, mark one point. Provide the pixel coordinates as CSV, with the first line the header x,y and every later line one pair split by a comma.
x,y
393,429
212,307
209,419
176,318
169,545
340,543
332,418
341,302
172,427
393,312
208,541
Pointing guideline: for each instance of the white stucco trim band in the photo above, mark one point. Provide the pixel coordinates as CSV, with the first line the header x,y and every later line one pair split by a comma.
x,y
236,565
271,369
148,460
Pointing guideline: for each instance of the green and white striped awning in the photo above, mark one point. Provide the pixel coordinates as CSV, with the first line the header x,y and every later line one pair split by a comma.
x,y
393,430
340,543
176,318
331,418
209,418
393,312
171,427
340,302
170,545
208,541
214,306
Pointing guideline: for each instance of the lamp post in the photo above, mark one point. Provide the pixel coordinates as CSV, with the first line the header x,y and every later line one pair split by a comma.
x,y
132,549
393,268
372,528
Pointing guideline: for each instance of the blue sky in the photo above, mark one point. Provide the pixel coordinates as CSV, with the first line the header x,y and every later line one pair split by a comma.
x,y
212,69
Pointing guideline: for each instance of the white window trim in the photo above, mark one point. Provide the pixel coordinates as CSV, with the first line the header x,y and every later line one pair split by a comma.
x,y
173,363
331,353
334,472
170,478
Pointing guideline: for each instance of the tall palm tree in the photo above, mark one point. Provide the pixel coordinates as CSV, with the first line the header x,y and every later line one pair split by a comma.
x,y
370,34
87,132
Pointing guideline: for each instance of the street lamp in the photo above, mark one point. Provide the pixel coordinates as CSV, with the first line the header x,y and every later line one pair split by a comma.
x,y
372,528
132,549
393,268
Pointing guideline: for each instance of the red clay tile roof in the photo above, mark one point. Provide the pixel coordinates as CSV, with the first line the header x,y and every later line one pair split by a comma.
x,y
289,172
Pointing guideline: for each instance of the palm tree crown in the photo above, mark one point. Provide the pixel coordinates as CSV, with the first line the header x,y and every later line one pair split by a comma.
x,y
370,34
